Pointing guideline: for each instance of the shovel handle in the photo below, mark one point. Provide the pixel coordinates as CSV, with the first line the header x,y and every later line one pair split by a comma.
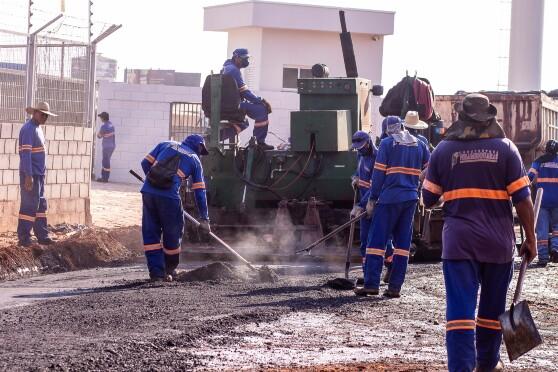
x,y
351,238
523,267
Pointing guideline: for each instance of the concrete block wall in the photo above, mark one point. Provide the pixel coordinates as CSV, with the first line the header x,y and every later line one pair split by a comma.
x,y
67,183
140,114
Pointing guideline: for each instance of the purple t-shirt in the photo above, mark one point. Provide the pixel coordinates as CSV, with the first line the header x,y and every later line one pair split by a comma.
x,y
476,179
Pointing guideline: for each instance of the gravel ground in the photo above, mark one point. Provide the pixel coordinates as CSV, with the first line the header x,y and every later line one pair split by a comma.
x,y
110,319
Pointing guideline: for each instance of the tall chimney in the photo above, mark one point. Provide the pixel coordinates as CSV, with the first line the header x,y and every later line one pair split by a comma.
x,y
526,37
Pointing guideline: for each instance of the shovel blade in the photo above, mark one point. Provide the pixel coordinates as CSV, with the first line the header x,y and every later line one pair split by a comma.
x,y
519,330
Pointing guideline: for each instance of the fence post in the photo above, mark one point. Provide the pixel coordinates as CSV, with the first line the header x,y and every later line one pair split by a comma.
x,y
30,70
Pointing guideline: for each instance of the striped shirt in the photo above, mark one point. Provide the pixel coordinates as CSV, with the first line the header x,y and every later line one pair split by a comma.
x,y
477,179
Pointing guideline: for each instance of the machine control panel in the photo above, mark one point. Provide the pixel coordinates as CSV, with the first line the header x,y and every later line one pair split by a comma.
x,y
344,86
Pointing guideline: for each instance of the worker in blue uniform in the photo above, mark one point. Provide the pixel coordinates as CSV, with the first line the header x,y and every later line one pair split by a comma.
x,y
106,132
393,197
32,169
255,107
361,180
162,208
544,175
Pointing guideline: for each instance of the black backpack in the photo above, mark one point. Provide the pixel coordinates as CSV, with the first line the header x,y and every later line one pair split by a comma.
x,y
161,174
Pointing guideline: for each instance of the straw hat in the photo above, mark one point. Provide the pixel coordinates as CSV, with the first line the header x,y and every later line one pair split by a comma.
x,y
42,107
412,121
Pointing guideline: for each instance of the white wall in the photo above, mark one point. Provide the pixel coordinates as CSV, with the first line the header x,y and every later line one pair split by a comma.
x,y
250,38
140,114
290,47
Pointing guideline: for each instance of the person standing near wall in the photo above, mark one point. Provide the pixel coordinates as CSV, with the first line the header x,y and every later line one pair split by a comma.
x,y
32,169
109,144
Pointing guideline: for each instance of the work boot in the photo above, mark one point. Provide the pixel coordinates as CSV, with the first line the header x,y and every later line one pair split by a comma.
x,y
46,241
166,278
387,275
497,368
541,263
554,256
24,242
264,146
361,291
391,293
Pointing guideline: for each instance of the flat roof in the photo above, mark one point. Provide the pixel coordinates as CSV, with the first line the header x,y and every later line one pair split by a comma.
x,y
270,14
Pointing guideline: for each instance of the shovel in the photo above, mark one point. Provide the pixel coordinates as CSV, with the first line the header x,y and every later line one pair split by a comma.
x,y
346,283
518,327
350,242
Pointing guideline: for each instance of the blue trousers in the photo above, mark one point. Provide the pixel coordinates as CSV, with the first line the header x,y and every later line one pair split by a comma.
x,y
365,224
389,220
463,279
32,210
161,217
107,153
255,111
547,232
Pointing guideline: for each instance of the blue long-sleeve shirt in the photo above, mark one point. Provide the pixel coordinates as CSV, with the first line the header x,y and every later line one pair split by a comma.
x,y
364,175
107,134
544,175
395,178
229,68
32,154
190,166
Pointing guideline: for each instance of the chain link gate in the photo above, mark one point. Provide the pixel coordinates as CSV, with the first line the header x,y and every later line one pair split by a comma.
x,y
186,118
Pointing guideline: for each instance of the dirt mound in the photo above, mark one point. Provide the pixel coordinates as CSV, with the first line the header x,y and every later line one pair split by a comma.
x,y
341,284
130,237
83,248
266,274
216,271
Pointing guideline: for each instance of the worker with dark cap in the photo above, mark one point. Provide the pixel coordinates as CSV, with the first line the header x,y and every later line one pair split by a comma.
x,y
544,175
255,107
106,132
165,167
362,179
476,170
32,169
391,205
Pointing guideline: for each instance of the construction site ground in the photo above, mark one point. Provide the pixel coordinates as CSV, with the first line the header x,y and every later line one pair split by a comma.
x,y
101,313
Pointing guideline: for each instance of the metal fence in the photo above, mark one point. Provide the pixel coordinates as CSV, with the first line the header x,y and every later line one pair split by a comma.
x,y
58,77
186,118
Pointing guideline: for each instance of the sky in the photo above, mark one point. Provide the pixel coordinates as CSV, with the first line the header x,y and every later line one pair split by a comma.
x,y
457,45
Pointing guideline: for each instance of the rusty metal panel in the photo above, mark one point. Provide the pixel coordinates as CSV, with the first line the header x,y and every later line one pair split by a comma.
x,y
529,119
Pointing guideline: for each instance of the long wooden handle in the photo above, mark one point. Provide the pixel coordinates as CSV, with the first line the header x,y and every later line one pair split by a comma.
x,y
334,232
523,267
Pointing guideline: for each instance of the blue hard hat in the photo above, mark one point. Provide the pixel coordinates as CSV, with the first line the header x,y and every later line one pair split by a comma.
x,y
241,52
390,121
360,138
194,141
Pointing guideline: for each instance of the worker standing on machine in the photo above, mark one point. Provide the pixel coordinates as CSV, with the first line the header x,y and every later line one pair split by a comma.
x,y
255,107
165,167
476,170
544,174
362,180
393,198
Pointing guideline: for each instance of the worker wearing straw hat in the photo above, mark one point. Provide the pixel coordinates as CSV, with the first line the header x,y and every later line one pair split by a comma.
x,y
32,168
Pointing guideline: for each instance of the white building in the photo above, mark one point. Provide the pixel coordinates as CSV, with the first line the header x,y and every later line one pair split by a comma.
x,y
285,40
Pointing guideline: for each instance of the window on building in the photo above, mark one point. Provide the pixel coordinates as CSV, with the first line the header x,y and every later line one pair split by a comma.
x,y
290,74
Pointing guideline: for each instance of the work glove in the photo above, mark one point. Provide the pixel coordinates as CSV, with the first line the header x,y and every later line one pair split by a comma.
x,y
354,182
356,211
204,226
267,105
370,206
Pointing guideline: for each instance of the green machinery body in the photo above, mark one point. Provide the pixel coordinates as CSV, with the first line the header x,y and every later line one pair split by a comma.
x,y
319,163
